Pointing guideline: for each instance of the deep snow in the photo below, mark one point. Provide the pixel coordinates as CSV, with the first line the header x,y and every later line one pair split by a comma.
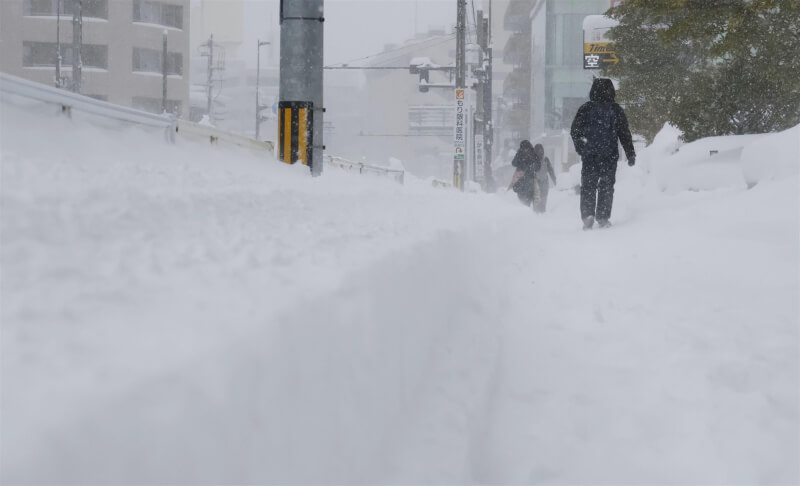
x,y
186,314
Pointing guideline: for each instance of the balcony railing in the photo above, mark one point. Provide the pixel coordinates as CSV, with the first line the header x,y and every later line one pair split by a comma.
x,y
517,50
517,16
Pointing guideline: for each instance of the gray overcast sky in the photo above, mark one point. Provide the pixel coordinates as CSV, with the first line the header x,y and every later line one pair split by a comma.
x,y
358,28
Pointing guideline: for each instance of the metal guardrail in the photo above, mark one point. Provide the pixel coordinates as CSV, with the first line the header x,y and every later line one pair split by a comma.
x,y
73,102
197,131
69,102
395,174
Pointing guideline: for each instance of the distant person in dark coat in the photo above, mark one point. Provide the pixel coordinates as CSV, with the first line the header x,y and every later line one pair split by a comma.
x,y
524,177
598,125
542,180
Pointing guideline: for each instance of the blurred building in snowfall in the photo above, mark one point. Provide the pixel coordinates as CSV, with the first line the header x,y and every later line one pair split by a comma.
x,y
121,51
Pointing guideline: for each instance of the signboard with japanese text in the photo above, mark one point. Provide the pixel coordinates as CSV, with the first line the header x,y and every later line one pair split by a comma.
x,y
460,137
479,169
598,49
598,55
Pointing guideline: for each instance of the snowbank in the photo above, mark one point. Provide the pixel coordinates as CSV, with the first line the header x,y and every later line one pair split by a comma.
x,y
731,162
773,157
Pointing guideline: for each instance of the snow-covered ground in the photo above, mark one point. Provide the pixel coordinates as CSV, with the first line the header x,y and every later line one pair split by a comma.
x,y
185,314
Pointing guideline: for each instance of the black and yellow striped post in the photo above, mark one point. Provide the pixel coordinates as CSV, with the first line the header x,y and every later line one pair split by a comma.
x,y
295,131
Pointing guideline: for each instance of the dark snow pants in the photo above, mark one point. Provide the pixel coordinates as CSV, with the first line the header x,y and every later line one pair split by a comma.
x,y
540,195
598,176
525,188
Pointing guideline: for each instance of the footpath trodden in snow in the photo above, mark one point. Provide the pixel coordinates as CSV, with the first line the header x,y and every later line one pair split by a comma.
x,y
194,315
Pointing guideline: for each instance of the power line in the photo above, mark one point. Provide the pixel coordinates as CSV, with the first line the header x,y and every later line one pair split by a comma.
x,y
400,48
430,46
361,68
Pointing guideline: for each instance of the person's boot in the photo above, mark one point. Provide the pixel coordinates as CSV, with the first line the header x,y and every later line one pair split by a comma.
x,y
588,222
604,223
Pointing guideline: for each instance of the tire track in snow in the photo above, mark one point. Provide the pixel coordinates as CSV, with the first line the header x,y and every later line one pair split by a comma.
x,y
384,380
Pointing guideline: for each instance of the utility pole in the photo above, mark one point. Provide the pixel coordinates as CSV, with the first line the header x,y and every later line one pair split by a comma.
x,y
77,42
164,74
259,118
461,31
479,130
210,102
461,134
216,62
488,122
59,84
301,110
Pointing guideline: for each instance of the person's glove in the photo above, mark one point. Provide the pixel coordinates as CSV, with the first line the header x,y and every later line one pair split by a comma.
x,y
631,161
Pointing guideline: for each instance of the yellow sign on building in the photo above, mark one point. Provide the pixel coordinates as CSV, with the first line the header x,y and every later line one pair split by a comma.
x,y
598,54
598,49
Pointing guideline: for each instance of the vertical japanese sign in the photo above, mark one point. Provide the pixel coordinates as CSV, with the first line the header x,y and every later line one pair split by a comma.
x,y
460,138
479,169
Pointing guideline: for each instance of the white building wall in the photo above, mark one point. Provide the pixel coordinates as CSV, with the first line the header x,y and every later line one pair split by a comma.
x,y
117,83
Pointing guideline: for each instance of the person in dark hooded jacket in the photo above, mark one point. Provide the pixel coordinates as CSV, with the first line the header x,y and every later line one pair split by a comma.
x,y
597,126
526,163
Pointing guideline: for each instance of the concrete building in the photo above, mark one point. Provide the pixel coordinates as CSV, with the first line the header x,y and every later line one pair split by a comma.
x,y
547,84
121,48
501,69
515,107
559,84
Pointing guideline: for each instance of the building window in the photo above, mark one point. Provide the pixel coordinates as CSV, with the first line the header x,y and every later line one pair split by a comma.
x,y
565,40
151,12
153,105
150,61
430,120
43,54
91,8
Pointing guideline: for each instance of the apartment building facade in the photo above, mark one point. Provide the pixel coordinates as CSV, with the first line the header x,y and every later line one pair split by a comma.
x,y
559,83
121,49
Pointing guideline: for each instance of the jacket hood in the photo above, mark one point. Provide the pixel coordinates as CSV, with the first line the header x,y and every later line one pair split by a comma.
x,y
602,91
